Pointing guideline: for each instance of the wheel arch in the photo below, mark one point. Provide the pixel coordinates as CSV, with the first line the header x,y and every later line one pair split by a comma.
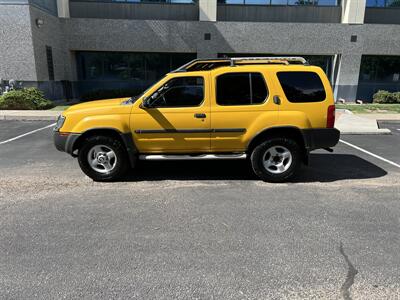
x,y
125,138
291,132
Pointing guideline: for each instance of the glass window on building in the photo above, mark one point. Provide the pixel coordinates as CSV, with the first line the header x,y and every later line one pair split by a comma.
x,y
282,2
257,2
127,72
183,1
326,2
375,3
301,2
231,1
383,3
378,73
150,1
47,5
117,66
322,61
279,2
393,3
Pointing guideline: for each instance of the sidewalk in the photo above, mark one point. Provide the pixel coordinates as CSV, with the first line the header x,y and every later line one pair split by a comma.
x,y
349,123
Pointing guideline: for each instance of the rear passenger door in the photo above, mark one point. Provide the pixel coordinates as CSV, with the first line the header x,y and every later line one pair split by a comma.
x,y
241,103
305,97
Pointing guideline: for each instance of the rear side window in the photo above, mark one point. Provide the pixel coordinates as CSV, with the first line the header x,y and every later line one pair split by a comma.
x,y
241,89
302,86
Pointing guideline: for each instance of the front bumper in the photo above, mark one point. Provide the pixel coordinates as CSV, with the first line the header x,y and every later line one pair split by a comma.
x,y
320,138
65,141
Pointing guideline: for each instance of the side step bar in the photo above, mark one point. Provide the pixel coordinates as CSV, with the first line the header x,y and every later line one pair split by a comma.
x,y
192,157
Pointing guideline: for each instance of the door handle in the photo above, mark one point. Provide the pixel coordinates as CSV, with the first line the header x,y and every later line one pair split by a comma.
x,y
277,100
200,116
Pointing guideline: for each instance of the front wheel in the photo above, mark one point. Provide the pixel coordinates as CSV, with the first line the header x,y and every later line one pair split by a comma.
x,y
103,158
276,160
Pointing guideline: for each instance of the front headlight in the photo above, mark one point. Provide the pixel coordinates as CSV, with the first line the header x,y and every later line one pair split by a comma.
x,y
60,123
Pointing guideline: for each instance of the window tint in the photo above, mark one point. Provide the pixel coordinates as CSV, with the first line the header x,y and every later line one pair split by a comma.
x,y
179,92
241,89
302,86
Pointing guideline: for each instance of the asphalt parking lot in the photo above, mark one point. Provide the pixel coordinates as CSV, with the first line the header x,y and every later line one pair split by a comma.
x,y
199,230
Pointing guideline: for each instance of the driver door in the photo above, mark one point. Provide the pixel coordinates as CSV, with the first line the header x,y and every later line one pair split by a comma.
x,y
178,119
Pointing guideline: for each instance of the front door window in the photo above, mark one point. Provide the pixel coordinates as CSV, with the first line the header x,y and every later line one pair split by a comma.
x,y
179,92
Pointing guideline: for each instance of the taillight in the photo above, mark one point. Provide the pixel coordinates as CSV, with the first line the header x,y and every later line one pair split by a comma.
x,y
330,117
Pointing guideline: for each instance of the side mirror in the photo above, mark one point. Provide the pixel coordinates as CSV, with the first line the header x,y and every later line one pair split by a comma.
x,y
146,103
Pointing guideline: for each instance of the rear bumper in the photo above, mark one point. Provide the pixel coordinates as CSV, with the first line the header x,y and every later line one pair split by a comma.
x,y
320,138
65,141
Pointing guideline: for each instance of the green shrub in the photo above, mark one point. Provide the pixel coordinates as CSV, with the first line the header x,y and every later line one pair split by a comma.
x,y
110,94
15,100
25,99
386,97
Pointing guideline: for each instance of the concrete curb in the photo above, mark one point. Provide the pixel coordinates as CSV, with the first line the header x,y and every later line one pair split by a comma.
x,y
344,111
388,120
381,117
380,132
29,115
28,118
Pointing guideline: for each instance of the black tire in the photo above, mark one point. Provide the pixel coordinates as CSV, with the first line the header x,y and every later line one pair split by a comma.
x,y
121,164
257,159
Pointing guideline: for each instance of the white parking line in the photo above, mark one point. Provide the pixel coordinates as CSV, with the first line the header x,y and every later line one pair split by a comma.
x,y
25,134
370,153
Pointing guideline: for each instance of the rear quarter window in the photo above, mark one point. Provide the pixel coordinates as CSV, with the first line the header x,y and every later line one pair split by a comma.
x,y
302,86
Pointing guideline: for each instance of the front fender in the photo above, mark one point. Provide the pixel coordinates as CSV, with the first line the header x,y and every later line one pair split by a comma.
x,y
116,122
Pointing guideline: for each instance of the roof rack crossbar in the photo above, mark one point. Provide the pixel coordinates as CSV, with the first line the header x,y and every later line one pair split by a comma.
x,y
199,60
234,60
288,59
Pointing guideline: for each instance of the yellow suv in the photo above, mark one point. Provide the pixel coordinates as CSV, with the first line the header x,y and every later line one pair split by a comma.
x,y
271,110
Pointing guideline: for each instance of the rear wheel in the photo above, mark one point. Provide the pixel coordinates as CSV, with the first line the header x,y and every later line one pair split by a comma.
x,y
276,160
103,158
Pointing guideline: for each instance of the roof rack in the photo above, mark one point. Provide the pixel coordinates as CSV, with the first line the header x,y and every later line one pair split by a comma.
x,y
283,59
200,64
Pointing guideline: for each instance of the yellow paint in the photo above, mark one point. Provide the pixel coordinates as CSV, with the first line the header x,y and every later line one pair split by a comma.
x,y
253,118
170,119
97,114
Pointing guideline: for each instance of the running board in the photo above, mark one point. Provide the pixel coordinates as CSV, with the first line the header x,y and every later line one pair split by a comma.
x,y
192,157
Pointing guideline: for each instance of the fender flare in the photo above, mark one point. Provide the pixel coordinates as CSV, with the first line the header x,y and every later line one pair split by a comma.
x,y
126,138
274,129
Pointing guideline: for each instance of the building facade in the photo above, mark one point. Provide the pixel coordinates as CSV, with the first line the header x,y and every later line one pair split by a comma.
x,y
76,48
